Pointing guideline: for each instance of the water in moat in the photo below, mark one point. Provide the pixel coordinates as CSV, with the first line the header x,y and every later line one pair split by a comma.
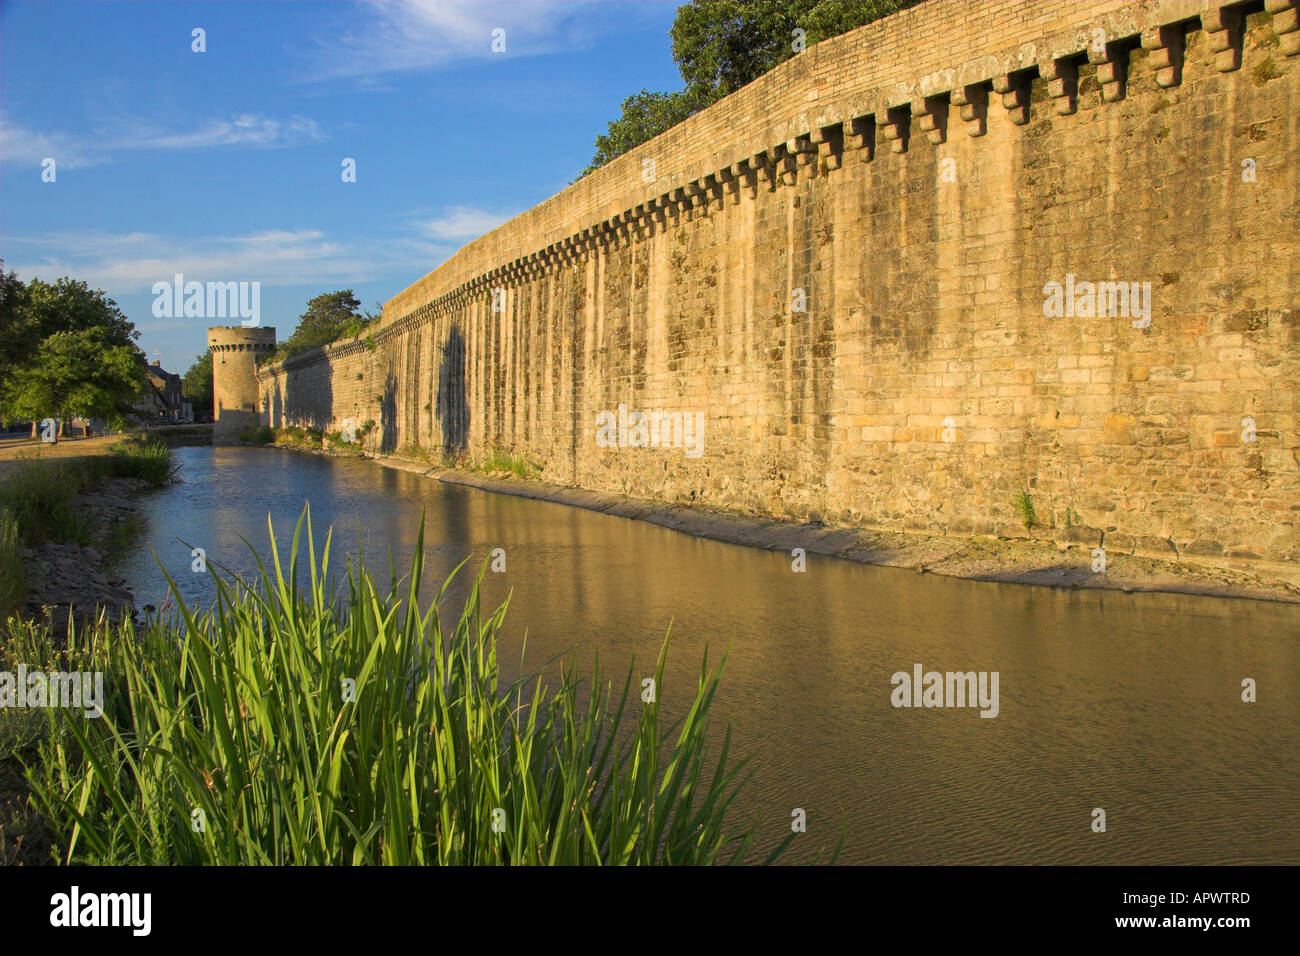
x,y
1126,702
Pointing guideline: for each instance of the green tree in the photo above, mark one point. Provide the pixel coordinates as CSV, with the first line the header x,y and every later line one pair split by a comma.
x,y
70,305
330,316
197,384
720,46
14,321
645,116
88,372
65,349
327,315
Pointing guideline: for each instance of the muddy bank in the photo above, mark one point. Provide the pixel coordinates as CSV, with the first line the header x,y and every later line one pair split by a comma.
x,y
1054,563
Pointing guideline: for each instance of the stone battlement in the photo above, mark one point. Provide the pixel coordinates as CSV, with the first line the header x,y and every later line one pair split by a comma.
x,y
843,95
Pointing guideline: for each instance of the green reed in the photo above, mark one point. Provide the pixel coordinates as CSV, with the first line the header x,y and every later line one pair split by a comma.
x,y
289,725
13,573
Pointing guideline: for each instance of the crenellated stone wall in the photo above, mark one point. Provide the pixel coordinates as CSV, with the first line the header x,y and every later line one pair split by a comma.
x,y
846,271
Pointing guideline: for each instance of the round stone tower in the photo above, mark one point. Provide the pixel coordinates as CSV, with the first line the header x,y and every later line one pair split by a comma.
x,y
235,351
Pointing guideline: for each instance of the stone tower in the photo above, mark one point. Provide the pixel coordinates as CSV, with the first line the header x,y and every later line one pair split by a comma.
x,y
235,351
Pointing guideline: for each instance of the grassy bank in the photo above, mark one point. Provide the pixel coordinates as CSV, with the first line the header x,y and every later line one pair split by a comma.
x,y
38,502
297,725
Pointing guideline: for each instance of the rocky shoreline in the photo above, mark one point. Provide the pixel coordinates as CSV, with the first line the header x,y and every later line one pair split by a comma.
x,y
1067,564
69,582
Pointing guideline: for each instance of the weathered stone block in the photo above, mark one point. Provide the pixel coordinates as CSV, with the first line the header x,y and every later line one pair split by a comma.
x,y
1119,543
1118,429
1079,534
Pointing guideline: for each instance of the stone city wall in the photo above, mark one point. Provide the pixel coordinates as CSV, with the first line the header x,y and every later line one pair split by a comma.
x,y
969,252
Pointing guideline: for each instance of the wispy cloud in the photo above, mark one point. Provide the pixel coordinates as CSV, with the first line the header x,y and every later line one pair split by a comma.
x,y
404,35
20,144
243,129
462,223
29,148
123,264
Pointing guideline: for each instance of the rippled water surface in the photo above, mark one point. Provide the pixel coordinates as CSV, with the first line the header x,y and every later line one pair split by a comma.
x,y
1128,702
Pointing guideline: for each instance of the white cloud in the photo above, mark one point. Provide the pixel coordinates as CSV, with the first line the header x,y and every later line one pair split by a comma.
x,y
22,145
244,129
463,223
276,236
123,264
402,35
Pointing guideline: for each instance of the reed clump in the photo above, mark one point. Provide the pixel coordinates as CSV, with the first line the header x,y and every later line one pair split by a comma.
x,y
499,460
292,725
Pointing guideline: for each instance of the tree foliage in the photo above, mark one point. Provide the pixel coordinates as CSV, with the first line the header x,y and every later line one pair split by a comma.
x,y
329,317
13,321
720,46
65,349
87,372
197,384
69,305
645,116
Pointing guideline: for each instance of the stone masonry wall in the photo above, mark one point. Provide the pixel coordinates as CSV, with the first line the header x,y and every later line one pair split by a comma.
x,y
914,186
235,390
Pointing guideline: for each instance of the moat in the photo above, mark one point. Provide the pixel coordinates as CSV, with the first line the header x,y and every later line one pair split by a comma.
x,y
1127,702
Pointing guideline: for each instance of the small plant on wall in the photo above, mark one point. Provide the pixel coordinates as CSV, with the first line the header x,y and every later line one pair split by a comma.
x,y
1025,507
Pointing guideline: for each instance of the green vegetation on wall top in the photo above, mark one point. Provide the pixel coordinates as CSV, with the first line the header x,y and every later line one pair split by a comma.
x,y
720,46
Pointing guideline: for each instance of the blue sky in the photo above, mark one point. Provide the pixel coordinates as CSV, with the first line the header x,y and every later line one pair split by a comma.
x,y
226,165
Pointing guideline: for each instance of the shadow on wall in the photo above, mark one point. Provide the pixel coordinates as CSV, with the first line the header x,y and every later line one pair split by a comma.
x,y
453,411
388,415
308,400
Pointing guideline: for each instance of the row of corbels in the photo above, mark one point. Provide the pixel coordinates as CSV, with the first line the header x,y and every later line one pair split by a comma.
x,y
823,148
243,347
